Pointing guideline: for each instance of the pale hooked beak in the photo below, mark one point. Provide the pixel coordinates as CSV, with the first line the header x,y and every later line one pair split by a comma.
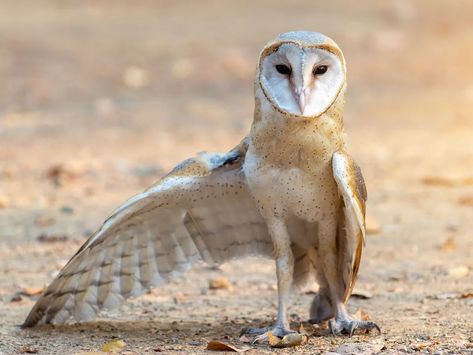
x,y
301,102
301,96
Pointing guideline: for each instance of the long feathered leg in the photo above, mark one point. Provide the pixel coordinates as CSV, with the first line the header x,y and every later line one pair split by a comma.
x,y
284,272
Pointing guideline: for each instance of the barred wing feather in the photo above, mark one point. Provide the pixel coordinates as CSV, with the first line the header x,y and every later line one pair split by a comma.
x,y
201,211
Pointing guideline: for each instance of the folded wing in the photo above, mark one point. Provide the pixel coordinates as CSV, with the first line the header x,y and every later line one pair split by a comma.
x,y
201,211
351,231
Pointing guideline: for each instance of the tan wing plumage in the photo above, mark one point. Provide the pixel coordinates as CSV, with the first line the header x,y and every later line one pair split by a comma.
x,y
201,211
351,231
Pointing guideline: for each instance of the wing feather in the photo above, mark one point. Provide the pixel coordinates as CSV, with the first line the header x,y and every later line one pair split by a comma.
x,y
201,211
351,231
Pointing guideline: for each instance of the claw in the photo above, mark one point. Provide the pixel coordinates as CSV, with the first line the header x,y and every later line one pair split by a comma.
x,y
349,326
331,327
378,329
371,325
260,338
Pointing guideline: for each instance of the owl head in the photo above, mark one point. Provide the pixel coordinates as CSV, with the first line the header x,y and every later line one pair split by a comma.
x,y
301,73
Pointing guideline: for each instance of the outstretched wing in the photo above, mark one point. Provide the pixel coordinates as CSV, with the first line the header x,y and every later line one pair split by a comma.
x,y
201,211
351,231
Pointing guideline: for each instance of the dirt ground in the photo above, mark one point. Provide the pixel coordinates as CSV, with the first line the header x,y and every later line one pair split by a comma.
x,y
98,99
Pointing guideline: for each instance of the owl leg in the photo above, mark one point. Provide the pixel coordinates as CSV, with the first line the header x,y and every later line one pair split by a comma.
x,y
284,271
342,323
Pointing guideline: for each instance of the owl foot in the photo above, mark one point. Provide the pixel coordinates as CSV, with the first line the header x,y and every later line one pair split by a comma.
x,y
261,334
349,326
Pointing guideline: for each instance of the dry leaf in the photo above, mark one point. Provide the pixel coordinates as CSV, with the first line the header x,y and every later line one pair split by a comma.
x,y
217,345
448,245
31,291
114,346
288,341
459,271
219,283
28,350
273,340
372,225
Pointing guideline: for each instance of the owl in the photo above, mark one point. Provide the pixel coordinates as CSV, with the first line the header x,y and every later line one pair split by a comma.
x,y
289,191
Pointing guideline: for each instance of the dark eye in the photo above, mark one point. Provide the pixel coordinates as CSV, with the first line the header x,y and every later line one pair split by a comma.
x,y
319,70
283,69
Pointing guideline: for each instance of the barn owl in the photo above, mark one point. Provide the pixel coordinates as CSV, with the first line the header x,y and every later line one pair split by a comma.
x,y
289,191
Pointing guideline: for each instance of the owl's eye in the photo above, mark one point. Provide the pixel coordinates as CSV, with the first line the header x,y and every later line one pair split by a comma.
x,y
319,70
283,69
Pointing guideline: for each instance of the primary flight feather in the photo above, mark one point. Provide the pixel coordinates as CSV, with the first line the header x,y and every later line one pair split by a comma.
x,y
288,191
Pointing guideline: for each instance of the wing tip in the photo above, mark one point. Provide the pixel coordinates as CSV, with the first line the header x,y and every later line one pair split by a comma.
x,y
31,320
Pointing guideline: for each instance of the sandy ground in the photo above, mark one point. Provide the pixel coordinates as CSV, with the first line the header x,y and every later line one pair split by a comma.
x,y
99,99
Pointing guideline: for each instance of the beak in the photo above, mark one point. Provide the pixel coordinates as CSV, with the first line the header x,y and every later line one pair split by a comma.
x,y
301,98
301,101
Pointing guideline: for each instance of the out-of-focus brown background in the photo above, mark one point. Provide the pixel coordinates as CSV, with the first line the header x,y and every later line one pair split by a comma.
x,y
98,99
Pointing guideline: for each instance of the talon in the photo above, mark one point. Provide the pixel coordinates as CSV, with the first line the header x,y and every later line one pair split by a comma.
x,y
369,326
260,338
331,326
351,328
374,326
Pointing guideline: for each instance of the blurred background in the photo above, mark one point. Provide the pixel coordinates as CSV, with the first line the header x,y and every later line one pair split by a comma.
x,y
98,99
